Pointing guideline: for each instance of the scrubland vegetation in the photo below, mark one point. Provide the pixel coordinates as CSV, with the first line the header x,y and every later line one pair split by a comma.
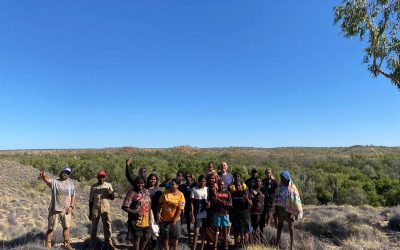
x,y
351,195
356,175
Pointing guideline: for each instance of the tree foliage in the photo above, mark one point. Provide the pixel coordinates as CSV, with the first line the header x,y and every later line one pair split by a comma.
x,y
377,22
322,175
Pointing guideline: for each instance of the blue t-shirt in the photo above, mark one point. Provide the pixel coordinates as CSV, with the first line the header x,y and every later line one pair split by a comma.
x,y
227,178
199,197
283,190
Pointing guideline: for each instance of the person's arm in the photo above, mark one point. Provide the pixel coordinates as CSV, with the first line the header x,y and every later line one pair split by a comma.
x,y
229,202
159,207
177,216
192,206
128,173
72,204
180,208
129,210
45,178
111,195
248,199
192,212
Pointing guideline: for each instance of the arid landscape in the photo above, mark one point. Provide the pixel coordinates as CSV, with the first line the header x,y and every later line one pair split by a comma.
x,y
24,202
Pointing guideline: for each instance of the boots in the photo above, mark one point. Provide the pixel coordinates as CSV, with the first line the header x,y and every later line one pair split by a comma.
x,y
67,245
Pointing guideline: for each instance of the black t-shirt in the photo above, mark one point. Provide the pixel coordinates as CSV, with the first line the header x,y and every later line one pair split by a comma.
x,y
251,182
186,189
155,194
270,187
239,204
220,202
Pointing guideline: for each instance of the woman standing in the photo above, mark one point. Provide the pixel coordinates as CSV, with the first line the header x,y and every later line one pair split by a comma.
x,y
155,194
155,191
287,206
170,208
137,204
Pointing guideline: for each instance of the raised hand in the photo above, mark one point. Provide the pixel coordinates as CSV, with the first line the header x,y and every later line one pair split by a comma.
x,y
42,173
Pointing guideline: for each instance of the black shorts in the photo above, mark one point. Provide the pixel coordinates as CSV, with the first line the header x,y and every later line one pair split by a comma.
x,y
256,220
135,232
167,231
241,224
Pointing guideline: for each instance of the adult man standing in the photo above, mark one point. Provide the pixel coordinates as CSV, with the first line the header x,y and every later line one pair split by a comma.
x,y
61,205
224,175
99,207
270,185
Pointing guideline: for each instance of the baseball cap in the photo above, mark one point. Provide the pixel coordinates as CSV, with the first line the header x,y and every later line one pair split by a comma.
x,y
102,174
67,169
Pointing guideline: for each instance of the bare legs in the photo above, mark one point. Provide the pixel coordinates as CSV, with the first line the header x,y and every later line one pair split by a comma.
x,y
279,232
141,243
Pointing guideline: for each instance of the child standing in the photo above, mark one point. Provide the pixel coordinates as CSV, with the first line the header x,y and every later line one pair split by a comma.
x,y
199,205
221,200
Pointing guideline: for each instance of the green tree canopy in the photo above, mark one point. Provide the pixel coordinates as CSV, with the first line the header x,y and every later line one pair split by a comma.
x,y
376,21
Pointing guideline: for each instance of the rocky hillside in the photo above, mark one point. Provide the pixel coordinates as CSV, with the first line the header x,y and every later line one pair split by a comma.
x,y
24,208
23,219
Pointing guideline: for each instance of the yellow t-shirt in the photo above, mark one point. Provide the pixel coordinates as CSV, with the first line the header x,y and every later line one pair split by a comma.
x,y
170,203
232,187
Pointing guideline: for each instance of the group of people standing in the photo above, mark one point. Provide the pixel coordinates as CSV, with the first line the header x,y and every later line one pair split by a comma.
x,y
217,204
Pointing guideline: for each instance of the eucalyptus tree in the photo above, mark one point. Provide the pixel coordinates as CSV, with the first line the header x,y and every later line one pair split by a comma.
x,y
377,23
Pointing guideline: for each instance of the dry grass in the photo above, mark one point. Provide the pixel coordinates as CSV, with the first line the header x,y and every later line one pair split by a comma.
x,y
25,199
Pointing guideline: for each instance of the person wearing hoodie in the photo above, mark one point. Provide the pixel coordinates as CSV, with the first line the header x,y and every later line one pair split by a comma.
x,y
287,205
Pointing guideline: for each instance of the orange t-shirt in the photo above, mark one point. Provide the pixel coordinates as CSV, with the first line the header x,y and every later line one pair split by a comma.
x,y
171,202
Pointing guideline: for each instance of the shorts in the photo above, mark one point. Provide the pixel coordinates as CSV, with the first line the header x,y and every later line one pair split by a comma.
x,y
221,220
200,222
242,225
53,218
169,232
285,216
135,232
256,220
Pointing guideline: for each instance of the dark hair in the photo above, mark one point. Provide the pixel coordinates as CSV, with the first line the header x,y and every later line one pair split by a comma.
x,y
237,182
201,177
237,173
175,180
149,177
137,179
258,178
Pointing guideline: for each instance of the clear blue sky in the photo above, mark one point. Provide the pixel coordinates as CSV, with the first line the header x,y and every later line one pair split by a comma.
x,y
89,74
